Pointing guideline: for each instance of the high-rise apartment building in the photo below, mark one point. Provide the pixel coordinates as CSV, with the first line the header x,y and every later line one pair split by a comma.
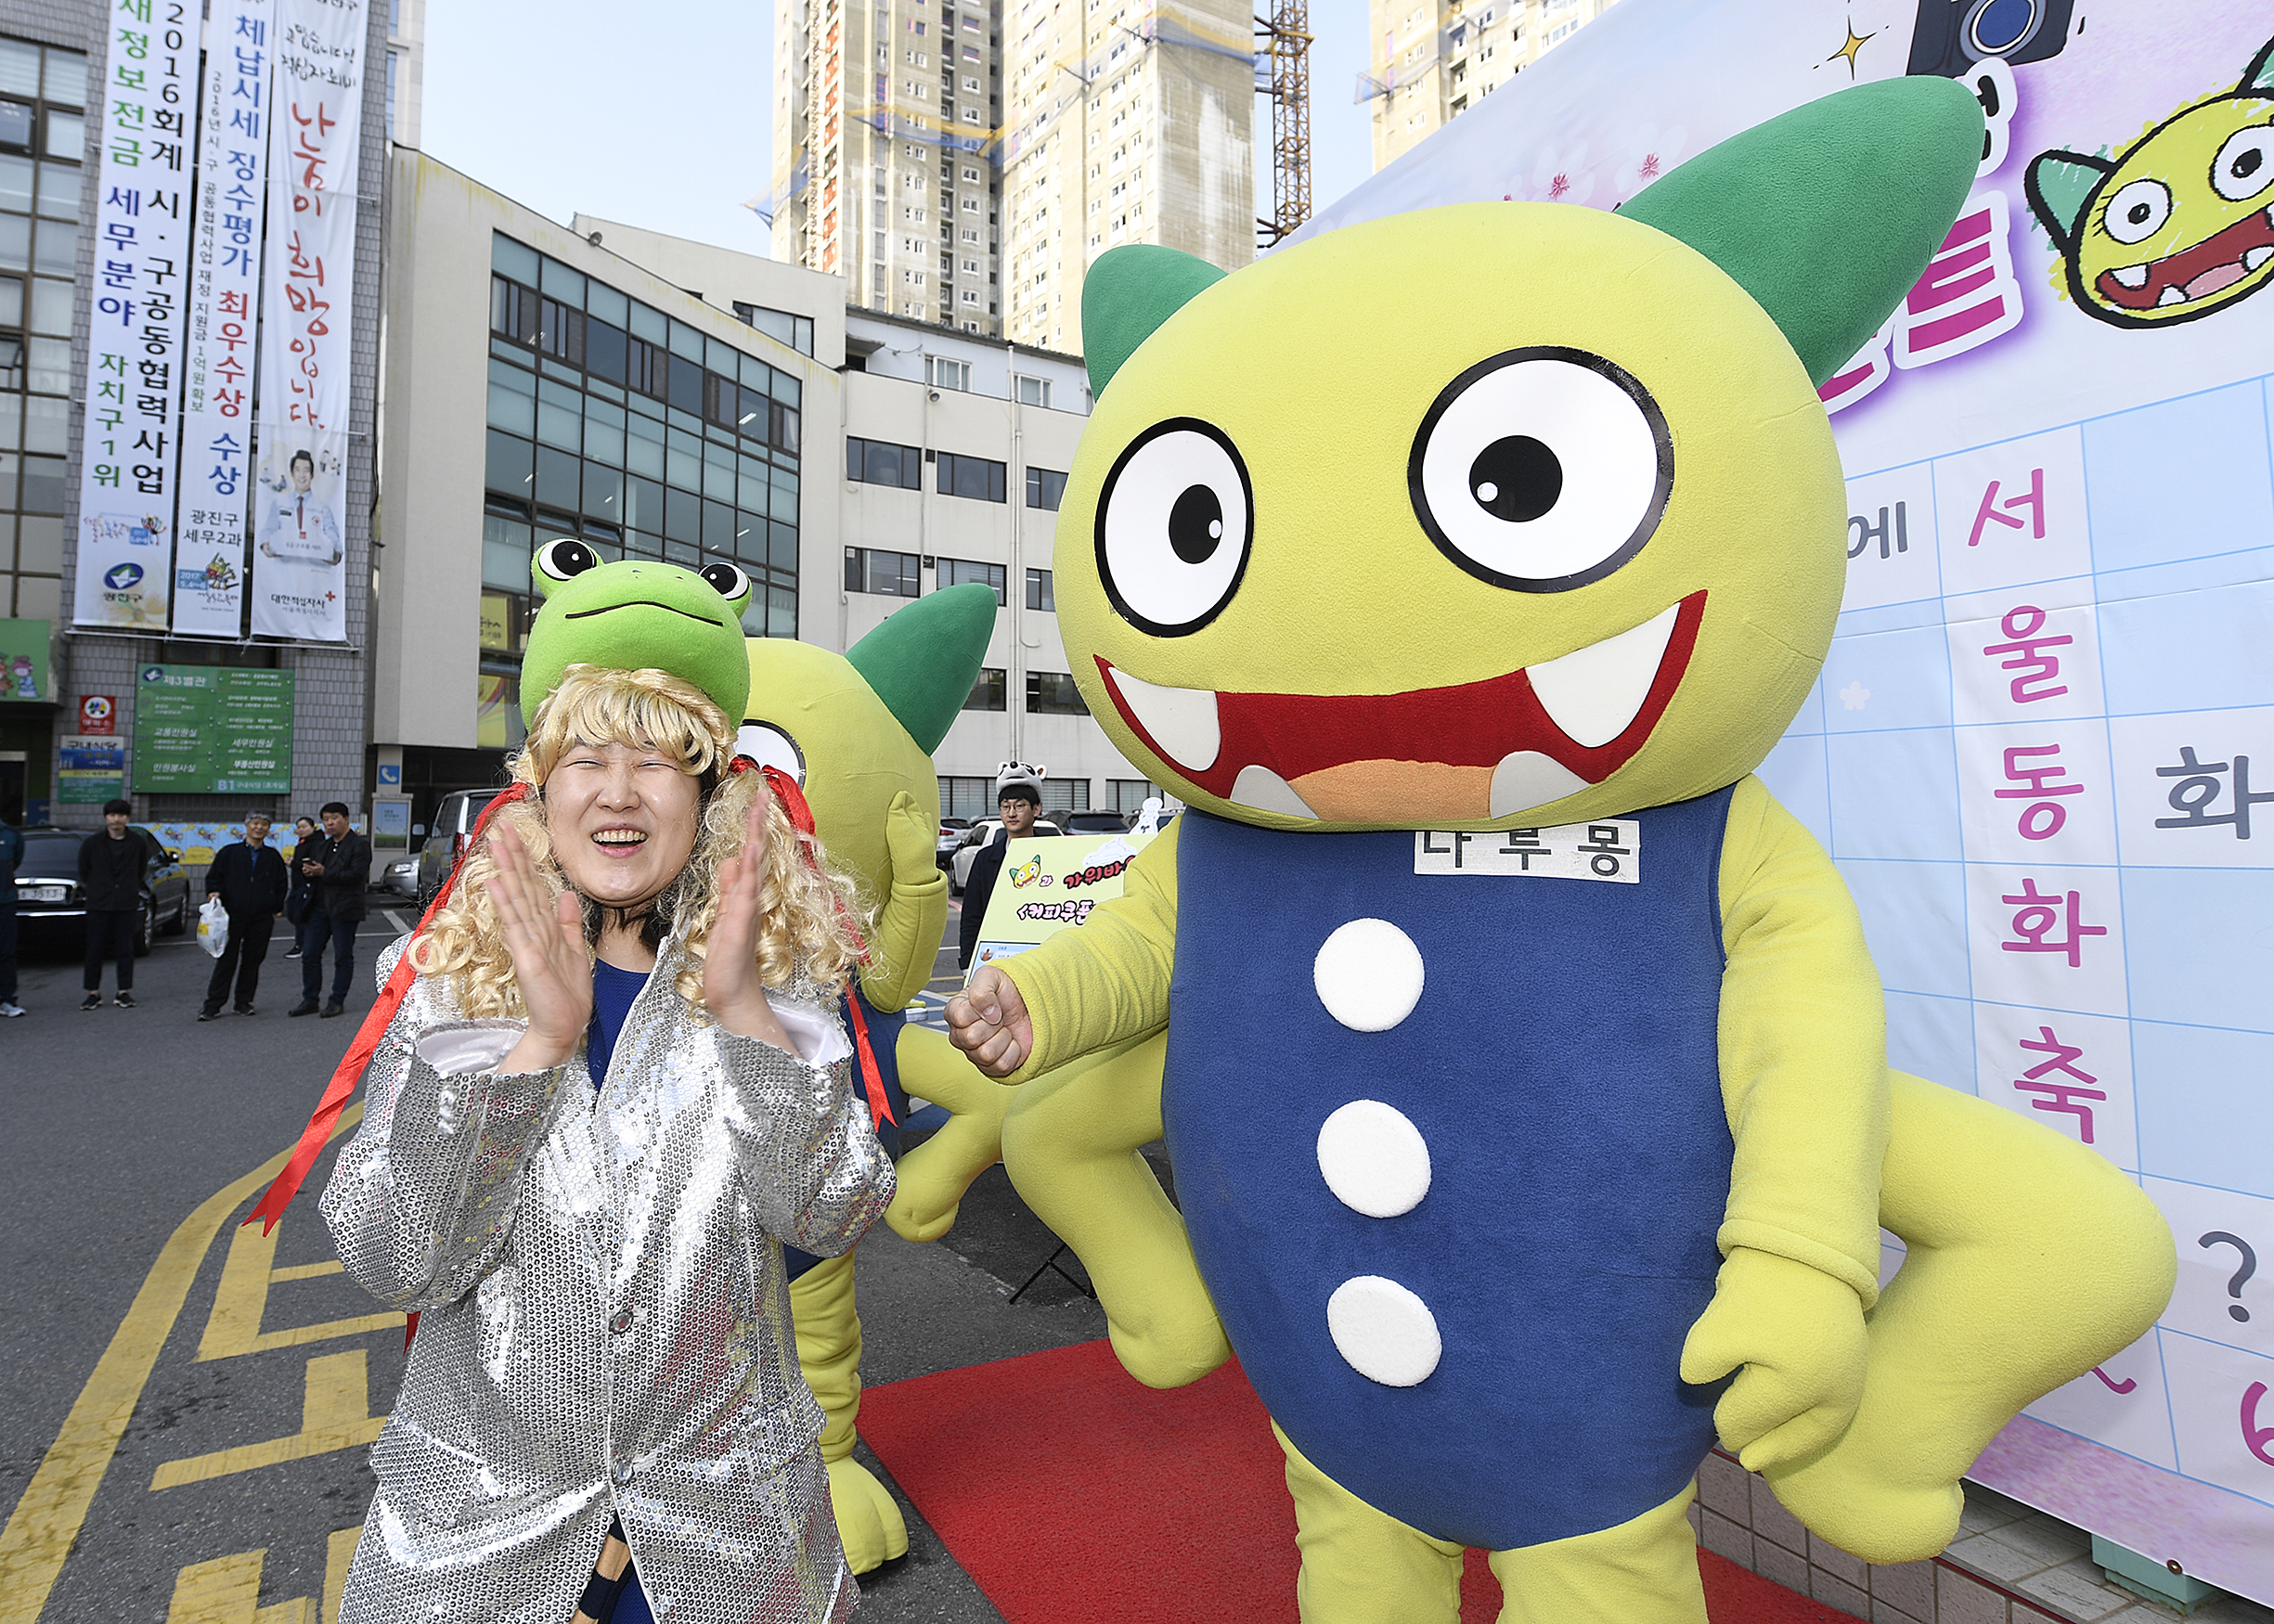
x,y
1434,60
960,163
885,118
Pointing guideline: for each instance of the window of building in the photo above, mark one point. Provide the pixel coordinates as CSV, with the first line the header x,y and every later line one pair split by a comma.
x,y
1130,794
1063,795
879,462
966,797
991,693
793,330
1034,392
1045,489
1039,593
955,571
941,372
893,575
973,477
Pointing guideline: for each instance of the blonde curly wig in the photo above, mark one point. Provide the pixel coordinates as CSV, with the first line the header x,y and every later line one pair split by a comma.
x,y
807,917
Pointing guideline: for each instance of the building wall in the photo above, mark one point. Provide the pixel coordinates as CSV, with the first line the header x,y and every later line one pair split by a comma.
x,y
406,63
1433,59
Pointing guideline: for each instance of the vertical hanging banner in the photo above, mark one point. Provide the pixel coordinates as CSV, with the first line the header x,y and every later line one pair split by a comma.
x,y
133,384
316,144
224,278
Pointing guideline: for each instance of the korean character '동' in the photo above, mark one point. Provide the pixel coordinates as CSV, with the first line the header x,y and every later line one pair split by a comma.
x,y
2038,914
2199,788
1602,848
2043,819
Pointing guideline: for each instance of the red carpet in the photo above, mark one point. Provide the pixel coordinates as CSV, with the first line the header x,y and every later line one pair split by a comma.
x,y
1074,1495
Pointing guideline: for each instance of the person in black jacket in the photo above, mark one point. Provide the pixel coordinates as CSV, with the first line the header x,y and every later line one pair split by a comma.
x,y
249,877
296,899
341,874
1019,797
111,867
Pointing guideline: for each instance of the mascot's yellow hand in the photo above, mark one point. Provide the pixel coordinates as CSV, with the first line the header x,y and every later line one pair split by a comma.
x,y
936,1174
1799,1335
912,835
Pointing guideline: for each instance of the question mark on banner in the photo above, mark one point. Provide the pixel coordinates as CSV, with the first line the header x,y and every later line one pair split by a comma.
x,y
2234,1282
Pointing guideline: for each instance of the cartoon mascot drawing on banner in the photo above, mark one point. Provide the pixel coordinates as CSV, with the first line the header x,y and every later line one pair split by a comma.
x,y
1525,1066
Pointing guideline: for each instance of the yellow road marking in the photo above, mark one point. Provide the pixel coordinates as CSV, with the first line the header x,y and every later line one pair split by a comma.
x,y
338,1557
46,1520
227,1590
334,1414
233,1326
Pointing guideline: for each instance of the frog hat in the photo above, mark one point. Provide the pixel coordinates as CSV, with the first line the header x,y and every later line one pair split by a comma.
x,y
635,616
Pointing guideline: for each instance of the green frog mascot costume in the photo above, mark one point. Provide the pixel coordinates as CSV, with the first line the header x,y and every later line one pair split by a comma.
x,y
1525,1066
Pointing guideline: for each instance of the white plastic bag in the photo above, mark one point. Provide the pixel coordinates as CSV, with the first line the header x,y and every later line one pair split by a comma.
x,y
213,927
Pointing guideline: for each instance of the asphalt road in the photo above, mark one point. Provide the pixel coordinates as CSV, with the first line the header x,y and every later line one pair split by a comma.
x,y
189,1411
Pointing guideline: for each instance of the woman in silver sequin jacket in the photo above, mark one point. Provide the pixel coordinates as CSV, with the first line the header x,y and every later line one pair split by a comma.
x,y
596,1262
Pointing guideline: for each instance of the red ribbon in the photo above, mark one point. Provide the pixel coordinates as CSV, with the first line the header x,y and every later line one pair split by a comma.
x,y
359,1056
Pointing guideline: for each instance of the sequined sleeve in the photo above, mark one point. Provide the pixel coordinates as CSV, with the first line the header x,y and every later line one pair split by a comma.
x,y
810,1160
422,1197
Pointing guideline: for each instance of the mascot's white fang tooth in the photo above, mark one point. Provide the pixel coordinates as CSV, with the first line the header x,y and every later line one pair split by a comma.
x,y
1265,791
1594,693
1525,779
1182,720
2171,296
2132,275
2257,257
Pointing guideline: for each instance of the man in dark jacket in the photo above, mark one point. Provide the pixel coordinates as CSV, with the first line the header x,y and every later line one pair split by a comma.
x,y
1019,797
12,853
111,866
250,878
341,874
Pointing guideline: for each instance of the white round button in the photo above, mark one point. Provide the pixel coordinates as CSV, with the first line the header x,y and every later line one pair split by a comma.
x,y
1368,974
1383,1332
1374,1159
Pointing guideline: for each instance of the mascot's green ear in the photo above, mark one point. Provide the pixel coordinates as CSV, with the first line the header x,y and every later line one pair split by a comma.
x,y
1130,291
923,660
1828,213
2058,183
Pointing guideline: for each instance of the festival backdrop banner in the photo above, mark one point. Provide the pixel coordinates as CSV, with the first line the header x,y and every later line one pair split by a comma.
x,y
128,454
225,279
2030,749
316,144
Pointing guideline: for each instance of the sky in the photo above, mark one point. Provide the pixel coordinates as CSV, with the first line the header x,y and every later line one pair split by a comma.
x,y
665,126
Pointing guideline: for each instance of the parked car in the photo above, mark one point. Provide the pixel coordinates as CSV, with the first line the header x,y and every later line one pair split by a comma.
x,y
952,833
1091,822
48,893
447,839
959,873
402,877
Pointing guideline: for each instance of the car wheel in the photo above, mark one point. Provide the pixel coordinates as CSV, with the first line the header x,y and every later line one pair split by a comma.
x,y
145,924
180,921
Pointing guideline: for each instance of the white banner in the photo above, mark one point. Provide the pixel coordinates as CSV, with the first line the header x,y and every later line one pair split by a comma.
x,y
224,278
128,453
316,144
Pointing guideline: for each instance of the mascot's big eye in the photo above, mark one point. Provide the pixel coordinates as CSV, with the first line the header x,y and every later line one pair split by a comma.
x,y
770,746
1173,527
729,582
2244,167
2137,211
1541,470
565,558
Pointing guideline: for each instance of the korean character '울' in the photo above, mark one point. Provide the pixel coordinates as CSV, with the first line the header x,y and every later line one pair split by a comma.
x,y
2042,820
1603,849
2029,654
2038,915
2198,791
2059,1096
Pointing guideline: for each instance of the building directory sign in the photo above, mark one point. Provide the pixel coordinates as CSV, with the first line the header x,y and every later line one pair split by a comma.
x,y
128,454
213,730
2030,749
316,143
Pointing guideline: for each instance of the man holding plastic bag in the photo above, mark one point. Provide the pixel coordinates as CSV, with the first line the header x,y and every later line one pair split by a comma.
x,y
246,882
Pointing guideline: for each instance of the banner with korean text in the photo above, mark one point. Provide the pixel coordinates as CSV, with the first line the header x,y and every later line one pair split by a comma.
x,y
2045,730
128,454
315,144
224,278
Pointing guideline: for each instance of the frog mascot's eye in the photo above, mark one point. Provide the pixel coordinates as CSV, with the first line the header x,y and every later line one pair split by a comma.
x,y
729,582
1174,524
565,558
764,744
1542,469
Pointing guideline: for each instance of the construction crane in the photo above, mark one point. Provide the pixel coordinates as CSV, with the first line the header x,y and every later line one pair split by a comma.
x,y
1286,37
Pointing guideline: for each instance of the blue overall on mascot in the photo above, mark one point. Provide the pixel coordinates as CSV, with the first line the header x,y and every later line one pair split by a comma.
x,y
1525,1068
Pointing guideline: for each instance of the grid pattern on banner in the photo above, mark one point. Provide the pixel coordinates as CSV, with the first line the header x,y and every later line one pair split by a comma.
x,y
2042,754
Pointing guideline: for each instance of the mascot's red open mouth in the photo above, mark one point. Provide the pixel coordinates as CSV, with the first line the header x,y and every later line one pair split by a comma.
x,y
2211,267
1485,749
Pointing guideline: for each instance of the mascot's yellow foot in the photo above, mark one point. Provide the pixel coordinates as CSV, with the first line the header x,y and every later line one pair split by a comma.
x,y
2031,1260
868,1521
934,1175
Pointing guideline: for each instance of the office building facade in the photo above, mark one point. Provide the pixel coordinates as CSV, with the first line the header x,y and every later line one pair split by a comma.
x,y
1434,60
